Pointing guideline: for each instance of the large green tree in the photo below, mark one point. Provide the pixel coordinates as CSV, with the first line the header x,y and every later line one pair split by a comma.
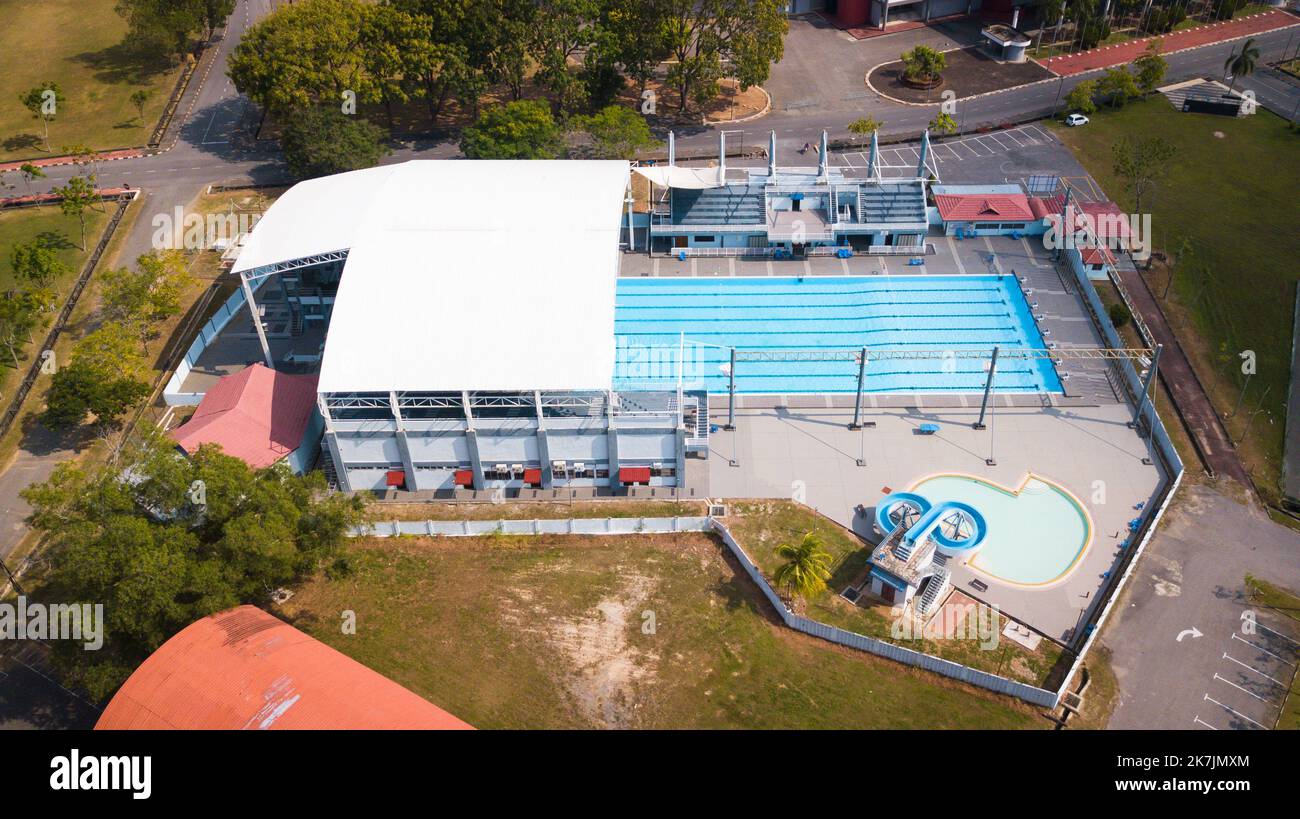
x,y
617,132
161,540
518,130
323,141
105,378
305,54
168,26
703,35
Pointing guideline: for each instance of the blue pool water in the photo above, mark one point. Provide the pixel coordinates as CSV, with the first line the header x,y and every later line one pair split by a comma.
x,y
1036,534
842,313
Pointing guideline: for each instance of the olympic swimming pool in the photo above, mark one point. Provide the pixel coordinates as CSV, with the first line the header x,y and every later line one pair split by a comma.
x,y
656,318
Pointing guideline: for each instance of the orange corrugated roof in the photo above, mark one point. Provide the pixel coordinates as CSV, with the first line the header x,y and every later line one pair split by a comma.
x,y
258,415
244,669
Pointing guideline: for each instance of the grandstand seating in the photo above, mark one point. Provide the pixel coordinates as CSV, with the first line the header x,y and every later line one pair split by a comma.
x,y
730,205
891,203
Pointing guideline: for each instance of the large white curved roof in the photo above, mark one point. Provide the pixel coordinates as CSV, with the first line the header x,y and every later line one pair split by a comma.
x,y
461,275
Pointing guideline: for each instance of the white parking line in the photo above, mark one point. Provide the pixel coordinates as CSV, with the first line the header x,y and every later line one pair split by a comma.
x,y
1228,656
1242,690
1203,722
1265,650
1278,633
1229,710
980,142
846,159
1011,136
955,155
994,137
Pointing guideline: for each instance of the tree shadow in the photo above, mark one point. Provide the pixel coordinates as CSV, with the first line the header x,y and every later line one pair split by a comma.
x,y
22,142
123,63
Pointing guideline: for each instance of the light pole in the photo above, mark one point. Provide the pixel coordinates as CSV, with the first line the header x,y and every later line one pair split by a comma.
x,y
1241,397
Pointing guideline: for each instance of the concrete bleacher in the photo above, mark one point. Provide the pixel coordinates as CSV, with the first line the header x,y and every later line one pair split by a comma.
x,y
729,205
891,203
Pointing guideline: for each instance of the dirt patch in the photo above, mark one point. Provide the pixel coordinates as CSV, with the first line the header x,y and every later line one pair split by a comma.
x,y
969,72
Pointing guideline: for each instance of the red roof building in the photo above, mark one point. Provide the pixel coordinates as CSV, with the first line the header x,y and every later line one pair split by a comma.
x,y
984,207
244,669
258,415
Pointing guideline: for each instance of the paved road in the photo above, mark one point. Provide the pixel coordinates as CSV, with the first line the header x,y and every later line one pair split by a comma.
x,y
1199,416
834,65
1192,576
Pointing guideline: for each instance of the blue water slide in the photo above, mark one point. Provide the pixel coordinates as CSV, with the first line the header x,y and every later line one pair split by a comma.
x,y
930,526
928,522
918,505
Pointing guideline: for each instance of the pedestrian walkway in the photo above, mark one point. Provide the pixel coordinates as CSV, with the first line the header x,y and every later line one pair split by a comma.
x,y
1123,53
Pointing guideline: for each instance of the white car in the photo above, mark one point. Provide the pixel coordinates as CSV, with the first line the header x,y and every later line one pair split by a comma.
x,y
1076,119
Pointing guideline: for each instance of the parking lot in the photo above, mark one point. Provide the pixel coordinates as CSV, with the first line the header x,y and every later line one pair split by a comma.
x,y
1248,687
1189,647
998,156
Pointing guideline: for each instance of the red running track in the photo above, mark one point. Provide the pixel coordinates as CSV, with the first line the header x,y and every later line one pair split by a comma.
x,y
1124,53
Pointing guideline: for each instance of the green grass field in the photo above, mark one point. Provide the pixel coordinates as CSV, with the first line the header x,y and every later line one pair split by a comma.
x,y
78,44
550,632
760,526
1233,196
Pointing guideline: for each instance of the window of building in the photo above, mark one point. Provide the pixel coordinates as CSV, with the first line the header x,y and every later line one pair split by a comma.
x,y
703,238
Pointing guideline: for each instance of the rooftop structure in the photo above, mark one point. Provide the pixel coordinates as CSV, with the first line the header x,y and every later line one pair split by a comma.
x,y
470,340
257,415
783,212
244,669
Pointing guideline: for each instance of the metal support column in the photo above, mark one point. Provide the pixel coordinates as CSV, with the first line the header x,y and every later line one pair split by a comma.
x,y
731,393
862,383
257,321
988,388
1146,389
471,440
611,440
543,444
403,445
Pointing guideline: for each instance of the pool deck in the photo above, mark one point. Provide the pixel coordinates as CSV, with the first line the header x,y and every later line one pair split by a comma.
x,y
811,456
799,445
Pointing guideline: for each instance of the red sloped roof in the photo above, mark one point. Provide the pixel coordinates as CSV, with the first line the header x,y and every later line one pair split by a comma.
x,y
1097,255
244,669
1043,206
258,415
1107,219
975,207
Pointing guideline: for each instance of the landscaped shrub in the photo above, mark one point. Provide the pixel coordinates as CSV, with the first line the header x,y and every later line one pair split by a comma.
x,y
1119,314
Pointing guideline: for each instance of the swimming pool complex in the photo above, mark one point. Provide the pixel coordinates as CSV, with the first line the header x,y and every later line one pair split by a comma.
x,y
1036,535
654,318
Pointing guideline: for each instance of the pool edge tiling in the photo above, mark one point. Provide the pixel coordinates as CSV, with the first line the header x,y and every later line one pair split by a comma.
x,y
659,321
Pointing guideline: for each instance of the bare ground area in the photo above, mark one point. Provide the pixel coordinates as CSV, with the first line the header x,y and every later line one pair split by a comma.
x,y
637,631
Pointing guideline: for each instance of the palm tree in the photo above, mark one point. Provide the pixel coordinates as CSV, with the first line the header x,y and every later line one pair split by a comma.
x,y
806,568
1243,64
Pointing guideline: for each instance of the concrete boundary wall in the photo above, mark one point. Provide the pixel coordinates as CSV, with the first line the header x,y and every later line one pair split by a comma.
x,y
957,671
561,526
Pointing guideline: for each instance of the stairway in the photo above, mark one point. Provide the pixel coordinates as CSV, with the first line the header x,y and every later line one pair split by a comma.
x,y
934,591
